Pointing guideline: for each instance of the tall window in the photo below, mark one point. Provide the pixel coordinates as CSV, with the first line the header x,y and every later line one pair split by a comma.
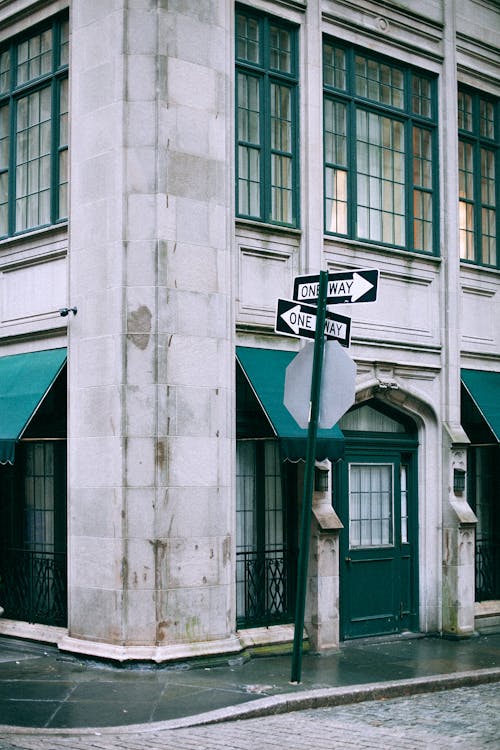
x,y
478,155
262,562
380,150
266,105
34,129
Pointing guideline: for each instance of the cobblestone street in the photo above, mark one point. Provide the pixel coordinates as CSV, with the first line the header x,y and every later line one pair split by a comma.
x,y
462,718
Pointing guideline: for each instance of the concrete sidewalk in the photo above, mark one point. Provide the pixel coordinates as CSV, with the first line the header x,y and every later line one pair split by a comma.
x,y
41,688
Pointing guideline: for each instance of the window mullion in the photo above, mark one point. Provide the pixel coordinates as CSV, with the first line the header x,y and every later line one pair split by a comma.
x,y
265,155
352,171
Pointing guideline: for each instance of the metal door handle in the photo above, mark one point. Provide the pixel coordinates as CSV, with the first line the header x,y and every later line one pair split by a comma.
x,y
348,559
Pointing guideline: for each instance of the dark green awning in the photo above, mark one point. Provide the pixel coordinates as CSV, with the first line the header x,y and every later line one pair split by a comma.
x,y
484,389
24,381
265,372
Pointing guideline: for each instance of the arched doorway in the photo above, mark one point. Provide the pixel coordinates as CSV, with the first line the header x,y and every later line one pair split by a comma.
x,y
375,496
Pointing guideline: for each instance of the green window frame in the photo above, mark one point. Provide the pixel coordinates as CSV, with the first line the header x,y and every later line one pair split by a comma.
x,y
267,147
34,128
380,150
479,187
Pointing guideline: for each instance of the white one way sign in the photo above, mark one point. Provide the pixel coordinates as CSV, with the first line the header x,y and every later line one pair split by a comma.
x,y
345,286
294,319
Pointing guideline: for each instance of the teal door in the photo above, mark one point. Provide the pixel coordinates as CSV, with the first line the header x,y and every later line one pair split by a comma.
x,y
378,592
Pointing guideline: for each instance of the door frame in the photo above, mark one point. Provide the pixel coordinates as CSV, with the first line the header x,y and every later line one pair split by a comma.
x,y
373,447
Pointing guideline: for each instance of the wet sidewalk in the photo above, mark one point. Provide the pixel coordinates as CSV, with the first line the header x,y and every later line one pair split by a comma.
x,y
41,687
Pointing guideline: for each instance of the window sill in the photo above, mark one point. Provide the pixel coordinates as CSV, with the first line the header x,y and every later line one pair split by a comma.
x,y
263,226
380,249
471,265
35,237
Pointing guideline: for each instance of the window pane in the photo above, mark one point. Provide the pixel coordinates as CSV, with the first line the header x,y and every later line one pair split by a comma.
x,y
281,192
248,109
64,43
4,139
248,182
334,67
379,81
370,505
280,50
247,39
274,510
63,113
281,118
464,111
466,230
245,495
336,200
488,211
422,158
488,229
486,119
465,170
421,96
33,140
477,157
281,162
3,203
4,72
39,497
335,133
487,176
34,57
381,189
422,179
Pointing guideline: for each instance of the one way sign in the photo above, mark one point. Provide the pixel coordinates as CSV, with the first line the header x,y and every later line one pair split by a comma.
x,y
344,286
297,319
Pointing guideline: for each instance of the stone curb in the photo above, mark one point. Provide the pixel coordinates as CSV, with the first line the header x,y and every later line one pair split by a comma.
x,y
284,703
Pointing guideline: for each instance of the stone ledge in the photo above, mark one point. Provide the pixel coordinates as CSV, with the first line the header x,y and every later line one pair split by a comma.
x,y
157,654
32,631
266,636
487,616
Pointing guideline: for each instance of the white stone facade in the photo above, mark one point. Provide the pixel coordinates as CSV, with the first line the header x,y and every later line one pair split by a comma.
x,y
166,283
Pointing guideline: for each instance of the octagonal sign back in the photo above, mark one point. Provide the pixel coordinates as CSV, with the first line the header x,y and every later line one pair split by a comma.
x,y
338,384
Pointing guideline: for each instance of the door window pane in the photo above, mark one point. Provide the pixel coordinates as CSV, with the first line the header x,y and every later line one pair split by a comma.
x,y
403,482
370,505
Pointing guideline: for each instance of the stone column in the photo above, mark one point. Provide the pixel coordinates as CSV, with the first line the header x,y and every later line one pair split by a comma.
x,y
458,519
322,601
459,523
151,369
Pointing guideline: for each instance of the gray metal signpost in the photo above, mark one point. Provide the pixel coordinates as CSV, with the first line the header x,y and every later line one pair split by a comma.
x,y
319,345
295,318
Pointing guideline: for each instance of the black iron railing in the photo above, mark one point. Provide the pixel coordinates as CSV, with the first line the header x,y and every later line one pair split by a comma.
x,y
34,586
265,587
487,568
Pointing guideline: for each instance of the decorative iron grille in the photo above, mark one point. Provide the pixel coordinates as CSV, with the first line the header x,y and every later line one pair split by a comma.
x,y
487,569
34,586
265,587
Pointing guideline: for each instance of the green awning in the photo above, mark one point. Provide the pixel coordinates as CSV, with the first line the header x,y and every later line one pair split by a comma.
x,y
484,389
25,379
265,372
